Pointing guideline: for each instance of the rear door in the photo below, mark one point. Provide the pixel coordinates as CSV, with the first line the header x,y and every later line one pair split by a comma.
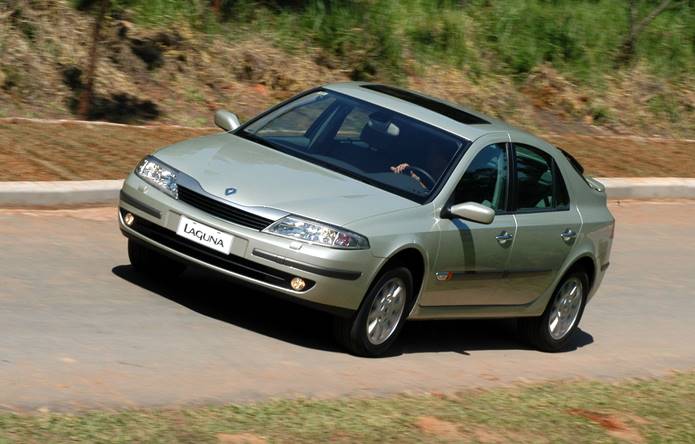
x,y
547,224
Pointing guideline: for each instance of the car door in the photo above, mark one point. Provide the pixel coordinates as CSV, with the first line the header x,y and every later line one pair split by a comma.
x,y
472,257
547,224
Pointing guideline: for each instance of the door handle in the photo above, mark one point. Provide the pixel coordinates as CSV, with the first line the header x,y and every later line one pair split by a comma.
x,y
504,237
568,235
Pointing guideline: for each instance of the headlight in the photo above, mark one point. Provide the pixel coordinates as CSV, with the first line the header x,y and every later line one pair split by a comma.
x,y
156,173
295,227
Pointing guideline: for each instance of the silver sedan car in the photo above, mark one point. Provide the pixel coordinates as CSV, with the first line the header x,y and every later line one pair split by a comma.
x,y
378,205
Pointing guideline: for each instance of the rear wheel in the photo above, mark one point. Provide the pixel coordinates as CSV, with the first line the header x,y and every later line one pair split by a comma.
x,y
375,326
553,330
148,261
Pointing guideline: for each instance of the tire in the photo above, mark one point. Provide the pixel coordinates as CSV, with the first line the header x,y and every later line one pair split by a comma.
x,y
354,332
539,331
148,261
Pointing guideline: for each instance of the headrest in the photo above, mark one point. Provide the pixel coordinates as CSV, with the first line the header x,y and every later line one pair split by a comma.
x,y
379,131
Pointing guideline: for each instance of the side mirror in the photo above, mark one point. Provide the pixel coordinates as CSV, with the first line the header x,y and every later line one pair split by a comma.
x,y
473,211
226,120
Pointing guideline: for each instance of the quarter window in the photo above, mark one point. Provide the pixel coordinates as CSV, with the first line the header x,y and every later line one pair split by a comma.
x,y
563,197
354,124
485,180
539,186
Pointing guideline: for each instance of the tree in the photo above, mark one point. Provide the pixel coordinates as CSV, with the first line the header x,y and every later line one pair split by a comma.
x,y
85,104
216,6
626,52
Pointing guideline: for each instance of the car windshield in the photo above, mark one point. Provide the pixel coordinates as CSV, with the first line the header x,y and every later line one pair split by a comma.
x,y
367,142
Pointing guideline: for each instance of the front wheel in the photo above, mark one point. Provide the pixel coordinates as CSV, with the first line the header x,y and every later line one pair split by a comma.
x,y
375,326
553,330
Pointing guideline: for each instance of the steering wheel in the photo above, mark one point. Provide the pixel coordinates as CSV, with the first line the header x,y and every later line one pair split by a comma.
x,y
425,177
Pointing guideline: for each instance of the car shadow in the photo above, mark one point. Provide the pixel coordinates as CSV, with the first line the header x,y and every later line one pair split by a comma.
x,y
226,300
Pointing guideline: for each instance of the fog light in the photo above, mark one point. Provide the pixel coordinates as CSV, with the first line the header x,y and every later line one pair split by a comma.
x,y
297,284
129,219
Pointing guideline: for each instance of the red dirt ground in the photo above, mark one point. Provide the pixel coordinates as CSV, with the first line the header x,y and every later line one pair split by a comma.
x,y
71,150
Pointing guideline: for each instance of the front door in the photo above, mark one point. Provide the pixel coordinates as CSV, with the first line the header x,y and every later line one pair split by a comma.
x,y
472,259
547,225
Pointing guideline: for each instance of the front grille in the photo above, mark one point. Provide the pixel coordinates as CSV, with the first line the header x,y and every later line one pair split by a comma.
x,y
233,263
223,211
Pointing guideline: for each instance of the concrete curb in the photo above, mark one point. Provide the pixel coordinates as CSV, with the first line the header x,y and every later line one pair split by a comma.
x,y
105,192
60,193
648,187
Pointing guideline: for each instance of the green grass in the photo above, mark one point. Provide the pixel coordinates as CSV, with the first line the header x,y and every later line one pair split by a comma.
x,y
508,37
659,410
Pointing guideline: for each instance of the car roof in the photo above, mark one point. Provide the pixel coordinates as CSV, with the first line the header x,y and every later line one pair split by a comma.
x,y
456,119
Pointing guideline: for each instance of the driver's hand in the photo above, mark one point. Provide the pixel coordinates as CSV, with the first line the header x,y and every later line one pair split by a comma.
x,y
398,169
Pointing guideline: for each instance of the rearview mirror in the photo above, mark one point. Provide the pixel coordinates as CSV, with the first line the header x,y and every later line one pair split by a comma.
x,y
226,120
474,212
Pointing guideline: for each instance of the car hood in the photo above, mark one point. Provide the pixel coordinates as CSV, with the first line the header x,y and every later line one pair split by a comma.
x,y
266,177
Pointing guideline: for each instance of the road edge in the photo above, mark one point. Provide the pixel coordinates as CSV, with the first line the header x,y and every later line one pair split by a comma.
x,y
59,193
105,192
620,188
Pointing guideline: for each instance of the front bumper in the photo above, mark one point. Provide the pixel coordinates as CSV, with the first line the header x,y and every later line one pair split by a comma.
x,y
338,279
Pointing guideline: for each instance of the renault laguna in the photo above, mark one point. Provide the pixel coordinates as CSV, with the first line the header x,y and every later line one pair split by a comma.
x,y
379,205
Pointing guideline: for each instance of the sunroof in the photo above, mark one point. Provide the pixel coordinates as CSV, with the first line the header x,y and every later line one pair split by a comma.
x,y
430,104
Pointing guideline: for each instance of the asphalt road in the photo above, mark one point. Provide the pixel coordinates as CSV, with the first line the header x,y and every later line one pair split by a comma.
x,y
80,329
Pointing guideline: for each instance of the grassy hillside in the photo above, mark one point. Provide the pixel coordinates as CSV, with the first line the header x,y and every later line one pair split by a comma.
x,y
542,64
509,37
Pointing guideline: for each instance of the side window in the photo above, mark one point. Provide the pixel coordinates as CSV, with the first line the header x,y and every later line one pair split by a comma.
x,y
353,124
485,180
539,185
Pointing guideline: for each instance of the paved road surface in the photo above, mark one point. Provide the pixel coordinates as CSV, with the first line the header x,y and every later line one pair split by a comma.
x,y
80,329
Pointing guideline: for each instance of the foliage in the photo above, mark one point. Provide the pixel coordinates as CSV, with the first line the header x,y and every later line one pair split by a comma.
x,y
508,37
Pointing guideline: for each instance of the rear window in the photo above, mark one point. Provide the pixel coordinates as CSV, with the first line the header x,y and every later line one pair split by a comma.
x,y
574,162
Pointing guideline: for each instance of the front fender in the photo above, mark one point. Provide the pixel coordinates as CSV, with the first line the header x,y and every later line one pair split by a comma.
x,y
393,233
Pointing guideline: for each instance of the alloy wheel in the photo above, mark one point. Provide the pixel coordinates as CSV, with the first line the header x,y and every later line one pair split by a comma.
x,y
566,308
386,310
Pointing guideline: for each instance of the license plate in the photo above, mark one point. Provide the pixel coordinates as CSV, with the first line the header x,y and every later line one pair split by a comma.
x,y
204,235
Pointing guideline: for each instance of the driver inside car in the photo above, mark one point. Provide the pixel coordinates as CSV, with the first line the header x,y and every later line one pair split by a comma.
x,y
381,134
436,162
